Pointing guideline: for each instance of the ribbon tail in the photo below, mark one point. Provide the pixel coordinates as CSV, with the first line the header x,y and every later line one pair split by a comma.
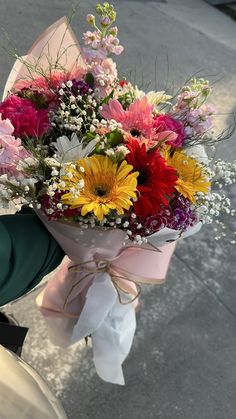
x,y
112,342
111,326
99,300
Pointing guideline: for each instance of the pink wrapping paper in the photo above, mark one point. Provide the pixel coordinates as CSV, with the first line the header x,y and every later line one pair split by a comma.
x,y
128,264
57,46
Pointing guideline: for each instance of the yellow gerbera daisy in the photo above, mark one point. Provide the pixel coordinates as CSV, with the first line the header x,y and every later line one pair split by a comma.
x,y
107,186
192,177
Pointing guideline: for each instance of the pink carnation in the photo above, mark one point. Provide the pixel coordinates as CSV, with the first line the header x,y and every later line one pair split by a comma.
x,y
48,85
26,119
11,150
164,123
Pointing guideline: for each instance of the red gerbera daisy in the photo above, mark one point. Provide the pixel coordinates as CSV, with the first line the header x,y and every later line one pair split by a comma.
x,y
156,180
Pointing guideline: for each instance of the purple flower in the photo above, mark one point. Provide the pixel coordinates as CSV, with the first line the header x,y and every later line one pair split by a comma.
x,y
179,216
105,21
182,216
80,87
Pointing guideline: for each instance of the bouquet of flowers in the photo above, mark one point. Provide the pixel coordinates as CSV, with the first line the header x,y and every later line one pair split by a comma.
x,y
117,175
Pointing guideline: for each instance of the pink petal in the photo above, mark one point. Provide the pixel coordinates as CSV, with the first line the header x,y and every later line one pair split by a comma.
x,y
6,127
141,106
166,136
113,110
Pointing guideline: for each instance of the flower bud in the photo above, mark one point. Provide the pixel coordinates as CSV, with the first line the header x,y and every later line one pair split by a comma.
x,y
99,9
113,31
105,21
90,19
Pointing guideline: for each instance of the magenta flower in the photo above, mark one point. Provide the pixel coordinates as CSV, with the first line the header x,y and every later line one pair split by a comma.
x,y
164,123
11,150
26,119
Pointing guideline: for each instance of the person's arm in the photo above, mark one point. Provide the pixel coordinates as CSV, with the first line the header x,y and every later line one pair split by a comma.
x,y
27,253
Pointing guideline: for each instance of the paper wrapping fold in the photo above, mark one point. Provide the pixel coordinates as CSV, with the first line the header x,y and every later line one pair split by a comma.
x,y
56,48
76,307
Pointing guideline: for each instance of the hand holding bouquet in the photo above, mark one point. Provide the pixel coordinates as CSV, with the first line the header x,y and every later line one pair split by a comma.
x,y
113,172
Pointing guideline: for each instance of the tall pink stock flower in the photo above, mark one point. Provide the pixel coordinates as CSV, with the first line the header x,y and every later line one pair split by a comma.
x,y
137,120
26,119
99,47
105,75
11,150
198,121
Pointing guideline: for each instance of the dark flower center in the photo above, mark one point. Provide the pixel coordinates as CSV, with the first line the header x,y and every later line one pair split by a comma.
x,y
143,177
100,191
135,133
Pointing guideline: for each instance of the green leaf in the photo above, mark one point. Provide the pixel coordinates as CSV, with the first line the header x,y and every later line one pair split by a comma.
x,y
107,98
114,138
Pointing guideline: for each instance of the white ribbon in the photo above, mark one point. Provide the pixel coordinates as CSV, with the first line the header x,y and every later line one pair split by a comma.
x,y
111,325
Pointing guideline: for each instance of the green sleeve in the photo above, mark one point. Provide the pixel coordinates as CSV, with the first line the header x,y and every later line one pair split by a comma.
x,y
27,253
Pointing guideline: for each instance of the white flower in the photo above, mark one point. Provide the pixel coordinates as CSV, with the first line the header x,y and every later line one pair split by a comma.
x,y
122,149
154,98
92,128
80,184
3,178
110,152
51,162
198,152
28,182
29,162
72,149
54,172
62,184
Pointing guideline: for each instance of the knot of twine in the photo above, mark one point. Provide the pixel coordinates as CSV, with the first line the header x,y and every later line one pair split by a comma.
x,y
103,266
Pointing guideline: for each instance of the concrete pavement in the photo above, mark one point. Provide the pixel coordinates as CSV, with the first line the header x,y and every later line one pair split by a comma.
x,y
182,364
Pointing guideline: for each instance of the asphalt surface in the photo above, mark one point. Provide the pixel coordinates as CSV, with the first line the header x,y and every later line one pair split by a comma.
x,y
182,364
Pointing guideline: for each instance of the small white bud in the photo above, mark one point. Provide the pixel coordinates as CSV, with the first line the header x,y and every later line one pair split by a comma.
x,y
92,128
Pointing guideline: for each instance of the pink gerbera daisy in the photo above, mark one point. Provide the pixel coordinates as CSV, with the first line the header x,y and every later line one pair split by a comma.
x,y
136,120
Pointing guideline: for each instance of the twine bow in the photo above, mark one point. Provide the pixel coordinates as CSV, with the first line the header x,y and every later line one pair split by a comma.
x,y
106,267
116,274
